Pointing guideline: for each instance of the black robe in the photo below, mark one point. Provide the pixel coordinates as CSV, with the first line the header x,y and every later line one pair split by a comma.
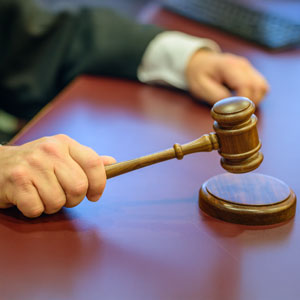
x,y
42,51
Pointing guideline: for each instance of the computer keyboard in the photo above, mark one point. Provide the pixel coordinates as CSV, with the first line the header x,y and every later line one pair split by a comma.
x,y
264,28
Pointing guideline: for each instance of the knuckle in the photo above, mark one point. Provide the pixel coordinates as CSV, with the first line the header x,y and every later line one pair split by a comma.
x,y
34,212
53,145
19,176
94,161
62,137
55,206
79,188
34,160
49,147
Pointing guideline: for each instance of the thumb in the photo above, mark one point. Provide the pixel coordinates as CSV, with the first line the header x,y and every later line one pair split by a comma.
x,y
108,160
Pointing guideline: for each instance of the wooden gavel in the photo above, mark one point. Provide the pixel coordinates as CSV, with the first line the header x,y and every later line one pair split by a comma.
x,y
249,199
235,138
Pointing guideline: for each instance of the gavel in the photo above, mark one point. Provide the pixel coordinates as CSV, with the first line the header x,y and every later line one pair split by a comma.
x,y
235,137
250,198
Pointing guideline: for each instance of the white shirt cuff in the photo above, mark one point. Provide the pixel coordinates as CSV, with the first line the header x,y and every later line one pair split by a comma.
x,y
167,55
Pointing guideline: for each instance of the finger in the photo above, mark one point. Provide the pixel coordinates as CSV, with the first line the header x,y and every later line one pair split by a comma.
x,y
260,89
254,88
49,190
93,167
259,94
108,160
28,201
209,89
242,82
246,81
245,92
73,181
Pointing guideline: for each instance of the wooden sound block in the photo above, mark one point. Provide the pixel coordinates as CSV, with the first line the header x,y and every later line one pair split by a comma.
x,y
249,199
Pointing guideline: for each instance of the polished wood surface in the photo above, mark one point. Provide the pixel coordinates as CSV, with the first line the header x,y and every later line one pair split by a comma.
x,y
248,199
147,238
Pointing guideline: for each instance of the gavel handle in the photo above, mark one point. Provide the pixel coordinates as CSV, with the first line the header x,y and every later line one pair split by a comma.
x,y
205,143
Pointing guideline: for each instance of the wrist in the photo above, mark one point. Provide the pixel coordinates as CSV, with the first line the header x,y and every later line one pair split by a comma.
x,y
167,56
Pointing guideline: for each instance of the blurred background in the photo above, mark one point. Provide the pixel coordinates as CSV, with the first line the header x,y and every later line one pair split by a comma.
x,y
128,7
9,125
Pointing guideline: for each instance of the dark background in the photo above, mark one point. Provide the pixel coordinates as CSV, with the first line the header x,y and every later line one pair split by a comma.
x,y
129,7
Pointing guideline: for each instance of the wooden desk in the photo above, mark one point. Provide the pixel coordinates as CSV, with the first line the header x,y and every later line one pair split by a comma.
x,y
146,238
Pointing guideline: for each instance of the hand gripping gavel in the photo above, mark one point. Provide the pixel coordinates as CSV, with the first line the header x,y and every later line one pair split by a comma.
x,y
235,138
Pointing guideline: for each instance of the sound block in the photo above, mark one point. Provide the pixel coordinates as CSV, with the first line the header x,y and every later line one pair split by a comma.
x,y
249,199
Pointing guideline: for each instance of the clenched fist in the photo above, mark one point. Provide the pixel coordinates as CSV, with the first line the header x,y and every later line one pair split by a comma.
x,y
46,174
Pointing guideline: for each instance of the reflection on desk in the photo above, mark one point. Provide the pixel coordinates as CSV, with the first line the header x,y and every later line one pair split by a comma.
x,y
146,238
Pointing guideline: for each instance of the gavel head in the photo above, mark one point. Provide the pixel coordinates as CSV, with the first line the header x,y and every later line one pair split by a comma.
x,y
235,126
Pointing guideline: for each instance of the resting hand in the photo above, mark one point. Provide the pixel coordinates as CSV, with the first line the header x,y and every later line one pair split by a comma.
x,y
213,76
49,173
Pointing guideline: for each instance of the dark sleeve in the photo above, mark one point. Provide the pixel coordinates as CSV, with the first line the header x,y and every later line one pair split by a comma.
x,y
42,51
